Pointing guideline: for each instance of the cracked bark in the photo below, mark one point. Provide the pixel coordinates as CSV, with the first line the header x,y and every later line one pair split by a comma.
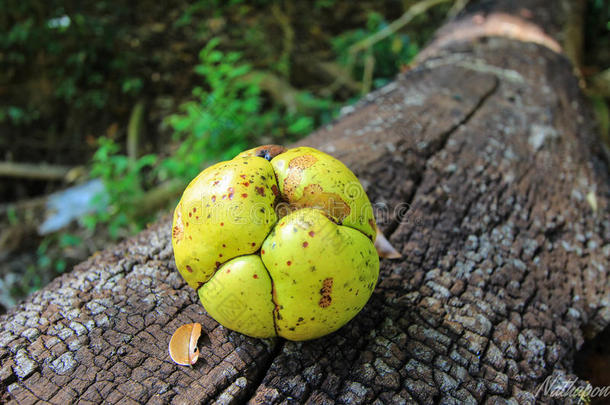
x,y
482,165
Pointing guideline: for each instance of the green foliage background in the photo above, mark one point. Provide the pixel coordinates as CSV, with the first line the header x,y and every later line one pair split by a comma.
x,y
74,72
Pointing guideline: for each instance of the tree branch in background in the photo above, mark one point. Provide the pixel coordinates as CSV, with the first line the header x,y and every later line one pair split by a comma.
x,y
367,43
159,196
280,90
134,130
369,68
287,38
573,34
341,76
457,7
413,11
35,171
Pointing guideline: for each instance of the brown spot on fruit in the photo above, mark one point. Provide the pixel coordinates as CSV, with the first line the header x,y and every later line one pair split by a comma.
x,y
311,233
260,190
217,264
255,276
302,162
177,229
305,244
194,209
231,192
244,195
220,255
245,183
228,271
190,214
189,268
177,233
216,182
222,224
327,286
213,198
224,246
288,263
253,244
296,166
275,190
325,301
263,251
243,176
315,197
325,291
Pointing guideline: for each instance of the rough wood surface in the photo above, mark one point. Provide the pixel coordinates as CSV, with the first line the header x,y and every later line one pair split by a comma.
x,y
485,173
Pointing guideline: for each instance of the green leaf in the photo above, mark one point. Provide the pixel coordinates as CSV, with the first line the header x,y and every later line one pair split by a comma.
x,y
68,240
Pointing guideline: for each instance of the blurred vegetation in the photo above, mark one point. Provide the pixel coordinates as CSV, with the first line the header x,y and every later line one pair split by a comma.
x,y
223,118
145,94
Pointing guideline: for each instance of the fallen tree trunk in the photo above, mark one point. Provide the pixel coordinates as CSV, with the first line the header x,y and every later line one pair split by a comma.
x,y
485,173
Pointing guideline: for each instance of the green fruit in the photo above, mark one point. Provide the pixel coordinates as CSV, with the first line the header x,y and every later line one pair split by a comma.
x,y
239,296
225,212
278,242
310,178
322,273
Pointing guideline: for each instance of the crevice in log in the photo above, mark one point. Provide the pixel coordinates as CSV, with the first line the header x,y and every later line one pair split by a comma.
x,y
592,361
434,149
260,376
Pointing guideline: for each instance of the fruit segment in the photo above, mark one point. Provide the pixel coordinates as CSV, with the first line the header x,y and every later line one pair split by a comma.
x,y
323,273
239,297
225,212
310,178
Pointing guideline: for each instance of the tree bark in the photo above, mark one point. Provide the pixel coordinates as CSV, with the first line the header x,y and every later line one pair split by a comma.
x,y
487,176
